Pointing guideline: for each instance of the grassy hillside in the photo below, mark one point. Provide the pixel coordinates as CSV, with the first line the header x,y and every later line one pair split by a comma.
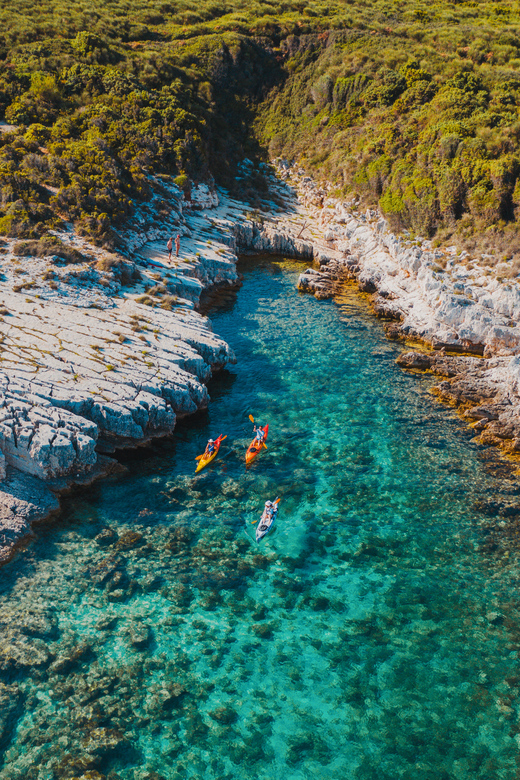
x,y
410,105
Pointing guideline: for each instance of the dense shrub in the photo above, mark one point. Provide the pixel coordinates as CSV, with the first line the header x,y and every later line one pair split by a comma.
x,y
410,107
348,88
422,123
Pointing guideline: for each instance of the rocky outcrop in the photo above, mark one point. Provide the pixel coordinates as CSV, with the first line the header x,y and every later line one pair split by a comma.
x,y
487,391
23,500
75,383
315,282
271,237
104,355
323,284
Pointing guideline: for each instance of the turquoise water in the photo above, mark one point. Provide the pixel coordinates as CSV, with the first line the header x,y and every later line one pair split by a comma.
x,y
373,634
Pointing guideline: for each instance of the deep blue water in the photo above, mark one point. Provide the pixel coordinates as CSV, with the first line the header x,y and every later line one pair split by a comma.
x,y
373,634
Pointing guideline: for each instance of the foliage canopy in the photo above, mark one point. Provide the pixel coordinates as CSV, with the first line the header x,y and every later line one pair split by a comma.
x,y
413,106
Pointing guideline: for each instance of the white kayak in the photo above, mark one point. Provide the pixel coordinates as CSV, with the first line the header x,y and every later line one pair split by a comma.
x,y
266,521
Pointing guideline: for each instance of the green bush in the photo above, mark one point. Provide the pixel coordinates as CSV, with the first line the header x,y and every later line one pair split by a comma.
x,y
348,88
183,182
389,85
321,91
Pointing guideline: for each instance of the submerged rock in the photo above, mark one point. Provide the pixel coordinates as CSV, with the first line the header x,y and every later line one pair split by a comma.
x,y
180,594
105,537
146,774
102,741
104,569
140,635
10,699
118,580
77,765
78,654
162,701
21,652
129,540
38,622
225,715
179,539
117,595
107,622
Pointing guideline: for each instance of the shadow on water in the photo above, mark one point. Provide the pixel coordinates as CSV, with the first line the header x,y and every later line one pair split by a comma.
x,y
374,633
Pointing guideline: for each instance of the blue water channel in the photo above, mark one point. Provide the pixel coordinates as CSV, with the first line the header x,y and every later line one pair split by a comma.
x,y
374,633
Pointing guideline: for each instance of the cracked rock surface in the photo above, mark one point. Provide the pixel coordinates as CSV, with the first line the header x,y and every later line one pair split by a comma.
x,y
104,353
71,378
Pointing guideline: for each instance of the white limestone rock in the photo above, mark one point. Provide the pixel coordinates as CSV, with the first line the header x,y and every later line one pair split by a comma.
x,y
203,198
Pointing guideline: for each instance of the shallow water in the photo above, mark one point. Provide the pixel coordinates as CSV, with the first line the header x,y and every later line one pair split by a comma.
x,y
373,633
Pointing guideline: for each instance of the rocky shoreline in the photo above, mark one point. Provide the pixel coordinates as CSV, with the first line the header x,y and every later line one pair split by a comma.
x,y
463,313
108,352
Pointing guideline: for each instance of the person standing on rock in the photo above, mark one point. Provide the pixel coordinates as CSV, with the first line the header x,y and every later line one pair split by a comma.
x,y
177,244
169,247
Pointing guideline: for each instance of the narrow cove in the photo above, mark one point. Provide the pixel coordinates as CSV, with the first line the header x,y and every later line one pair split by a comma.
x,y
374,633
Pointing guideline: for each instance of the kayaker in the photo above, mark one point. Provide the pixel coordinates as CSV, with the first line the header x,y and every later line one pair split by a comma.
x,y
260,435
270,509
210,448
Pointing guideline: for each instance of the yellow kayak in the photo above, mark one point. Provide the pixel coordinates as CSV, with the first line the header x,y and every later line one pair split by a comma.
x,y
205,459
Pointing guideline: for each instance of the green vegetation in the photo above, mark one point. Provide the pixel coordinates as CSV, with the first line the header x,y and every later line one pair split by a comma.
x,y
48,245
404,104
102,99
417,113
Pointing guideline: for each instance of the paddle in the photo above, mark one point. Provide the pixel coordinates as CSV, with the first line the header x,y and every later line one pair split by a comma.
x,y
274,502
253,421
220,440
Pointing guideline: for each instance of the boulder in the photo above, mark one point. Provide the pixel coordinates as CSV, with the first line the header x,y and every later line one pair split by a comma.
x,y
419,360
140,635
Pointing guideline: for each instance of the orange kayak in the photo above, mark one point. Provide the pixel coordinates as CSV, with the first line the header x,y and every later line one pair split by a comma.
x,y
254,449
205,459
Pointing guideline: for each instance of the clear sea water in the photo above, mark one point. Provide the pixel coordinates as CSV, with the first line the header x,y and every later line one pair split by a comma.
x,y
373,634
